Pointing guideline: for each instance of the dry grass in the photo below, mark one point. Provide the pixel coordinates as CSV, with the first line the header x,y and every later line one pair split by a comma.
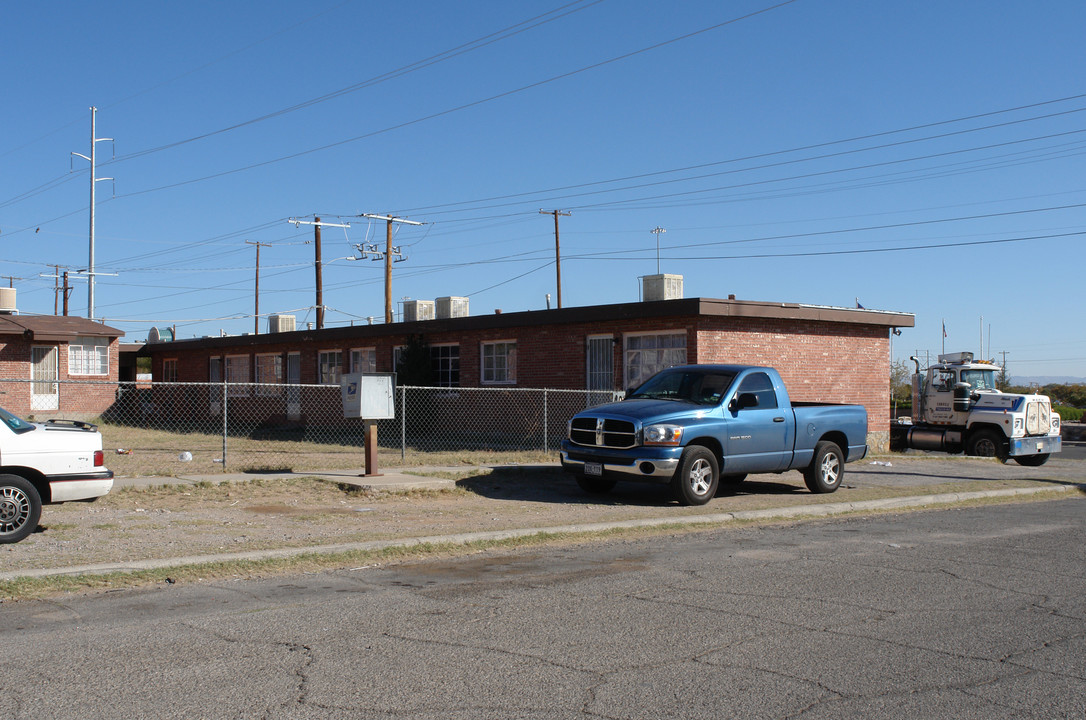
x,y
134,452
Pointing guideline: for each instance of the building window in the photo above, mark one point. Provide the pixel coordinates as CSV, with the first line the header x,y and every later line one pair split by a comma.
x,y
88,356
237,375
329,366
269,375
647,355
169,370
364,360
445,360
499,363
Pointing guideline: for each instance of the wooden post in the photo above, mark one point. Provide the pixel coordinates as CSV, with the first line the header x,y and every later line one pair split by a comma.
x,y
371,449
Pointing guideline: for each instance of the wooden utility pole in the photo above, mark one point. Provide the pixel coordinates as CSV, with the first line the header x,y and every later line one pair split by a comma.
x,y
256,288
317,265
388,255
557,250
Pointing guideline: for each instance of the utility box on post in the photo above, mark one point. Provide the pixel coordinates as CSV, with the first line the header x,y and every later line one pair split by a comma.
x,y
369,396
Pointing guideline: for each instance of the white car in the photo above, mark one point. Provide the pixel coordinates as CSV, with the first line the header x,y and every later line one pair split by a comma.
x,y
45,463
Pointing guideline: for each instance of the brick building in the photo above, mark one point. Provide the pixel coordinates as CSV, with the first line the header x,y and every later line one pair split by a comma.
x,y
825,354
44,351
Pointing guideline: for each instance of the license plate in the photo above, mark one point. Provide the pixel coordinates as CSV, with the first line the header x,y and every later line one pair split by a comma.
x,y
593,468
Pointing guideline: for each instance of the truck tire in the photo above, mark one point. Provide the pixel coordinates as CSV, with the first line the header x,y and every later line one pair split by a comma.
x,y
20,508
986,443
595,485
698,476
827,468
1032,460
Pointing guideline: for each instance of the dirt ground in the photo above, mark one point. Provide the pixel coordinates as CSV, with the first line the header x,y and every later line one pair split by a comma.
x,y
184,520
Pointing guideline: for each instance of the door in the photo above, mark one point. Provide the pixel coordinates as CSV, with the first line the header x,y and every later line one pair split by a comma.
x,y
44,391
600,369
294,379
760,437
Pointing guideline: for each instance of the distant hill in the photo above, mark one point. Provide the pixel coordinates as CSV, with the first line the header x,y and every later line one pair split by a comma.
x,y
1046,380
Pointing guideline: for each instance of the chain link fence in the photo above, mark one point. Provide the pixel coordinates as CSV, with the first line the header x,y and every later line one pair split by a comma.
x,y
201,428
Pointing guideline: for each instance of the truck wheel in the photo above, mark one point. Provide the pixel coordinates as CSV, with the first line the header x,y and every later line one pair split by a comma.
x,y
595,485
827,468
696,481
1032,460
986,443
20,508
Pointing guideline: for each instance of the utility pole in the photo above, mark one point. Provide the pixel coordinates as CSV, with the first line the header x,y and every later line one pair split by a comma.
x,y
656,231
317,267
317,224
93,181
557,250
256,291
388,255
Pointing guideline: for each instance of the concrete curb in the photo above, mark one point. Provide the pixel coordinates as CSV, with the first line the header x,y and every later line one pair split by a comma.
x,y
821,510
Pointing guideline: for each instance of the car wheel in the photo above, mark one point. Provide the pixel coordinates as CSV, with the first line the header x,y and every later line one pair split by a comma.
x,y
986,443
20,508
698,476
595,485
827,468
1032,460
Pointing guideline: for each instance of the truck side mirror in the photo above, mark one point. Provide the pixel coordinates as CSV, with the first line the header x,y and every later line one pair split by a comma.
x,y
743,400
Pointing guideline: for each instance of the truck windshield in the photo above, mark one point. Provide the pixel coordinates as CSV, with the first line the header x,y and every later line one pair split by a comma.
x,y
980,379
14,422
704,387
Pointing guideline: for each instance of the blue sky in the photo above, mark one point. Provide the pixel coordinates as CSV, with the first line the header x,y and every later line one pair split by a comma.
x,y
915,157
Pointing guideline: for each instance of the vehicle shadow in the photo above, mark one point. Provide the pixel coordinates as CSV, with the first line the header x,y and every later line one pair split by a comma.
x,y
551,485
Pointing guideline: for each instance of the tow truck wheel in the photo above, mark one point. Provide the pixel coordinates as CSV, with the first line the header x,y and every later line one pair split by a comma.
x,y
20,508
827,468
595,485
1032,460
698,476
985,443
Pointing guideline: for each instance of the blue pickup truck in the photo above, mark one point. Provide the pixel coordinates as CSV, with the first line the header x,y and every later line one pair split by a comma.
x,y
698,426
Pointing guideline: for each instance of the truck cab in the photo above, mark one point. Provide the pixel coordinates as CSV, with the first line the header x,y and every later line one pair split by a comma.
x,y
958,407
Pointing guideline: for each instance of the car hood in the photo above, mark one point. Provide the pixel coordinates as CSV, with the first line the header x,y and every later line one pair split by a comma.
x,y
646,411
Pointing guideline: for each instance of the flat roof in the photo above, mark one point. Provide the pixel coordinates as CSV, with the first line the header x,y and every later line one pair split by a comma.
x,y
683,307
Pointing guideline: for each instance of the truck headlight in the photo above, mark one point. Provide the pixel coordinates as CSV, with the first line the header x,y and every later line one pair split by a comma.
x,y
663,434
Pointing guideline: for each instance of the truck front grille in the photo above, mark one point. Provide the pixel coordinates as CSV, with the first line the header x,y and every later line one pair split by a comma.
x,y
602,432
1038,418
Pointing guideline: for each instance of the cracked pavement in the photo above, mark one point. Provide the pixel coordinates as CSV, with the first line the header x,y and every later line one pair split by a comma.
x,y
971,612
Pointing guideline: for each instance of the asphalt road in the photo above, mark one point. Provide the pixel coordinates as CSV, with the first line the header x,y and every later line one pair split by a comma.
x,y
967,613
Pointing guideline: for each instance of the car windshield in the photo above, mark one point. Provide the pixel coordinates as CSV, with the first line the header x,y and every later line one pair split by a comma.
x,y
704,387
14,422
980,379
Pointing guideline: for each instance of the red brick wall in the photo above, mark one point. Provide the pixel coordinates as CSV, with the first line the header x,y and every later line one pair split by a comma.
x,y
79,400
819,361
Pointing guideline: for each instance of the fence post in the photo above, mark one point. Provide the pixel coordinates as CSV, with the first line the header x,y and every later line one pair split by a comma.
x,y
224,426
546,440
403,423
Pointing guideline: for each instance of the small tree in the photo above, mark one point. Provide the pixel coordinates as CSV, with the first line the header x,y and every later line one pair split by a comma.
x,y
415,367
901,384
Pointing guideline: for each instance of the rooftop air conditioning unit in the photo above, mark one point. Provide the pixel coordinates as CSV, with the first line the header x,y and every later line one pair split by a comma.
x,y
280,323
7,301
451,307
662,287
415,310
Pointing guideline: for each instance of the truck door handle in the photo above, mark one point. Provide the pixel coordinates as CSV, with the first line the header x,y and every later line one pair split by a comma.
x,y
778,419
